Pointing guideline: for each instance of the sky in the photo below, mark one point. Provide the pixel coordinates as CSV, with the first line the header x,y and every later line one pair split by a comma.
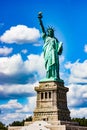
x,y
21,54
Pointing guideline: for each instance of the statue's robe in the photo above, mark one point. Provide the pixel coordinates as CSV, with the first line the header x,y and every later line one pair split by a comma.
x,y
51,48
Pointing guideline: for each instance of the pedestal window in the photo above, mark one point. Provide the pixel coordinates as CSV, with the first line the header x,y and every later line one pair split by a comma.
x,y
49,94
41,95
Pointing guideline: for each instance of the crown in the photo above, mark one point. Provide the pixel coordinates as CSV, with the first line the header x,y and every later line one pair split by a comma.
x,y
50,28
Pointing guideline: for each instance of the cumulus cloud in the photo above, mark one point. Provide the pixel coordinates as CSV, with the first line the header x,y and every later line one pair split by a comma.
x,y
35,63
77,84
11,104
80,113
17,91
20,76
11,65
17,111
14,70
78,71
8,118
85,48
30,106
20,34
15,64
8,111
5,50
77,95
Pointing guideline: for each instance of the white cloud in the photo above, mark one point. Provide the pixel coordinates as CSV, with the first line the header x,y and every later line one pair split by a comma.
x,y
21,111
32,103
61,59
8,114
77,95
78,72
79,113
15,64
30,106
35,63
24,51
5,50
18,90
8,118
85,48
11,65
1,89
11,104
20,34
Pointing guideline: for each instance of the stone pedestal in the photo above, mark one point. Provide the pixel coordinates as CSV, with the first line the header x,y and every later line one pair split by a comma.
x,y
51,106
51,102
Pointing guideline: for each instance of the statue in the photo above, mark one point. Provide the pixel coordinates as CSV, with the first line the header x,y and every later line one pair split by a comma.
x,y
52,49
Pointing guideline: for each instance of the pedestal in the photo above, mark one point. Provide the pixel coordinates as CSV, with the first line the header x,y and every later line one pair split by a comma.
x,y
51,104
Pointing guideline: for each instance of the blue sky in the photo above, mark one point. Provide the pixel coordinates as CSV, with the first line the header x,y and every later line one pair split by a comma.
x,y
21,54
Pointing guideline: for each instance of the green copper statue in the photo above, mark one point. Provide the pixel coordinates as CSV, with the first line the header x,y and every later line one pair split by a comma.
x,y
52,49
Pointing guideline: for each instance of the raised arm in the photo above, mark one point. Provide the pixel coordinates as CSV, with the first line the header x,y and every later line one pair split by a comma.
x,y
41,23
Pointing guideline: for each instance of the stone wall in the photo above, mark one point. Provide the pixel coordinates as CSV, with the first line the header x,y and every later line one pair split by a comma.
x,y
14,127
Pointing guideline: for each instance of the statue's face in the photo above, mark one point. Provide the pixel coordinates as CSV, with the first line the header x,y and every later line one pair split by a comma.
x,y
50,32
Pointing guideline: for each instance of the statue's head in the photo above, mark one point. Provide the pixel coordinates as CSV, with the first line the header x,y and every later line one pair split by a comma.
x,y
50,31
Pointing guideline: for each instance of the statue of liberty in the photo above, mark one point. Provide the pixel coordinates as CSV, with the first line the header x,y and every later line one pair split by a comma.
x,y
52,49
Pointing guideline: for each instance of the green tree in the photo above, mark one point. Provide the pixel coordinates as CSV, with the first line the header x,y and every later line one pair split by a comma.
x,y
2,126
29,118
21,123
81,121
17,123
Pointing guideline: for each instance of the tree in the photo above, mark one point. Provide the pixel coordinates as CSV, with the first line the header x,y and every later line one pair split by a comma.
x,y
81,121
2,126
17,123
29,118
21,123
